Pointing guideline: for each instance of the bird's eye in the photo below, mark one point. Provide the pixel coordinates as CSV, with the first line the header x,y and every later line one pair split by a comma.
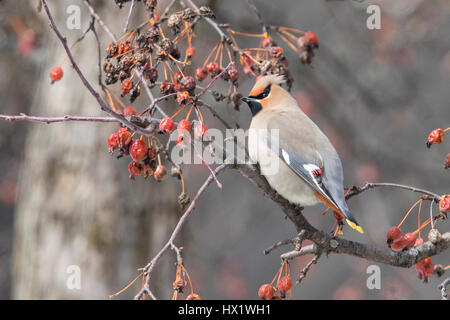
x,y
264,94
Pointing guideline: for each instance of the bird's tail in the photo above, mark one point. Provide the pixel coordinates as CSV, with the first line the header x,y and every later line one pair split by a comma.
x,y
351,221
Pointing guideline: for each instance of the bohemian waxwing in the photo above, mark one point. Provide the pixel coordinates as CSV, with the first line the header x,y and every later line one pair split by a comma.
x,y
310,169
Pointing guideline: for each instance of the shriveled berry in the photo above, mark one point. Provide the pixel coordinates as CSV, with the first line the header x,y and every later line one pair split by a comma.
x,y
404,243
138,150
435,137
213,68
160,172
151,153
179,284
444,204
129,111
113,141
190,52
233,74
166,87
284,284
56,74
135,169
201,74
151,75
265,292
127,85
424,269
199,131
182,97
187,83
124,137
267,42
166,125
184,125
276,52
447,161
193,296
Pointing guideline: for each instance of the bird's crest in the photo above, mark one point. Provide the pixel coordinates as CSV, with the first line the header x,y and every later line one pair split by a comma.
x,y
265,81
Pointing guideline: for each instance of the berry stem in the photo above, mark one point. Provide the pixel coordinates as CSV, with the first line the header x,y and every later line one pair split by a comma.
x,y
126,287
409,211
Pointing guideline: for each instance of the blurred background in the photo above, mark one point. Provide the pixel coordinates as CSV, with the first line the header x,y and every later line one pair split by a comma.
x,y
65,201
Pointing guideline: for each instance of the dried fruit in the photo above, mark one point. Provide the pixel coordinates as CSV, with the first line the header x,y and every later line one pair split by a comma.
x,y
138,150
190,52
166,87
233,74
405,242
312,39
265,292
124,137
182,97
276,52
444,204
160,172
113,141
201,74
193,296
267,42
447,161
166,125
213,68
56,74
424,269
135,169
435,137
127,85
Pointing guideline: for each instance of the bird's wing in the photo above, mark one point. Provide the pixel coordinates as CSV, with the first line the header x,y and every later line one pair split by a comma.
x,y
298,148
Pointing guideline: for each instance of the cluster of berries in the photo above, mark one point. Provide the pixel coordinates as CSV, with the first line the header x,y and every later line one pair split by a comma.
x,y
398,241
283,286
143,157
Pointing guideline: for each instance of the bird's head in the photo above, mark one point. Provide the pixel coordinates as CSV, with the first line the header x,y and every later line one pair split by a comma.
x,y
265,92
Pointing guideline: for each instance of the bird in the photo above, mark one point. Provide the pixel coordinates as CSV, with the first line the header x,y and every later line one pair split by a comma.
x,y
310,171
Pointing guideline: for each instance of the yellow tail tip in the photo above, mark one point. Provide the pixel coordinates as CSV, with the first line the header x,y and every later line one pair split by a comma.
x,y
355,226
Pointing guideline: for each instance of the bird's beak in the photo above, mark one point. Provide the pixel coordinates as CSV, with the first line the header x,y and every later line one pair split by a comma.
x,y
254,104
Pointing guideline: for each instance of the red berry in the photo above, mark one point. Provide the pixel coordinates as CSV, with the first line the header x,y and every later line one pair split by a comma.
x,y
447,161
127,85
186,83
56,73
199,131
113,141
166,87
233,74
267,42
124,137
160,172
444,204
311,38
393,234
166,125
135,169
265,292
184,125
201,74
435,137
418,242
190,52
404,243
424,268
182,98
138,150
129,111
284,284
213,68
193,296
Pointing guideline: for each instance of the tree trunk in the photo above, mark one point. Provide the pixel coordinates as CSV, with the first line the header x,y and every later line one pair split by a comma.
x,y
77,206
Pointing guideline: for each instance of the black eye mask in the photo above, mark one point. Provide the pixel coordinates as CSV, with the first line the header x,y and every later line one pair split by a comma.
x,y
263,94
